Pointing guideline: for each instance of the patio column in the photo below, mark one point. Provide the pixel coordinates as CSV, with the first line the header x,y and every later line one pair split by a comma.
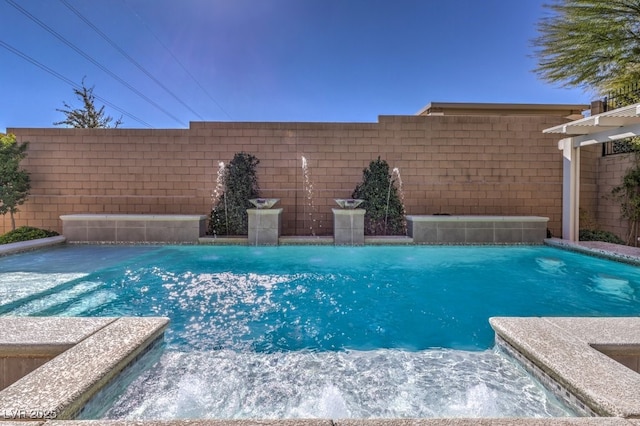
x,y
570,189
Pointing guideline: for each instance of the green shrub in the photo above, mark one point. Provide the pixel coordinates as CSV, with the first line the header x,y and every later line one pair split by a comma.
x,y
240,183
384,210
15,182
598,235
628,194
25,233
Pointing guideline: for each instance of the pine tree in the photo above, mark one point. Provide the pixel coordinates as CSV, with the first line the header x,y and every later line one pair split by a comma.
x,y
15,183
87,117
590,44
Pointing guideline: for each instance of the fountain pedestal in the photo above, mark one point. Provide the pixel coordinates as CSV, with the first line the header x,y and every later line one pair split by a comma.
x,y
264,226
348,227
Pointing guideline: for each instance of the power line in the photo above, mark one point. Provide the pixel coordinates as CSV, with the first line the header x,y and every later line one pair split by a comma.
x,y
68,81
127,56
177,60
93,61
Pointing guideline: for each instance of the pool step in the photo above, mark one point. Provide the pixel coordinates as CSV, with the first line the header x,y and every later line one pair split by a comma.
x,y
56,303
84,306
18,287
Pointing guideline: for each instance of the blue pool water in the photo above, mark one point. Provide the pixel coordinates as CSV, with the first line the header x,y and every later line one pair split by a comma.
x,y
323,331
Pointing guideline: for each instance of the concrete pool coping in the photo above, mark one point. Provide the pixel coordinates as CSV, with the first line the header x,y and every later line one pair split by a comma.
x,y
85,354
590,363
39,243
617,252
308,240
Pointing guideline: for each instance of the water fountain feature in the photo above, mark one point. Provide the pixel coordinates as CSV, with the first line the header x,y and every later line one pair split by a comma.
x,y
264,222
348,222
218,191
307,187
348,203
264,203
395,171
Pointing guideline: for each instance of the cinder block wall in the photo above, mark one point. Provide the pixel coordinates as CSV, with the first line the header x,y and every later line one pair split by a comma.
x,y
467,165
611,170
589,184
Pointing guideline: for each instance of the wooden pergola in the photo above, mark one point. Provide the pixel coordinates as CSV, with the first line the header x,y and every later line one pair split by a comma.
x,y
608,126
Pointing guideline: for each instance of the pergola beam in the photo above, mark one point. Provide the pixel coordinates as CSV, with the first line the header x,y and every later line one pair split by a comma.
x,y
579,130
608,135
613,121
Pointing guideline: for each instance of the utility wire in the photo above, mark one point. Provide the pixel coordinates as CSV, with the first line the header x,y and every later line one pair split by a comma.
x,y
93,61
127,56
68,81
177,60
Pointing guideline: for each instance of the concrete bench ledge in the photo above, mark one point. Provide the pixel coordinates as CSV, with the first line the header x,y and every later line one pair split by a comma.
x,y
45,336
27,343
590,363
61,387
452,218
133,228
130,217
444,229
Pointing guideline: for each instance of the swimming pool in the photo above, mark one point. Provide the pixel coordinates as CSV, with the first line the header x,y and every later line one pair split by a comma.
x,y
323,331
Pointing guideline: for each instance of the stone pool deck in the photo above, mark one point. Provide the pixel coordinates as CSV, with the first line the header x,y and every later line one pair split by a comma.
x,y
611,251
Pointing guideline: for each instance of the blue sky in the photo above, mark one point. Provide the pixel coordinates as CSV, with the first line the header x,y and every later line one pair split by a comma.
x,y
268,60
